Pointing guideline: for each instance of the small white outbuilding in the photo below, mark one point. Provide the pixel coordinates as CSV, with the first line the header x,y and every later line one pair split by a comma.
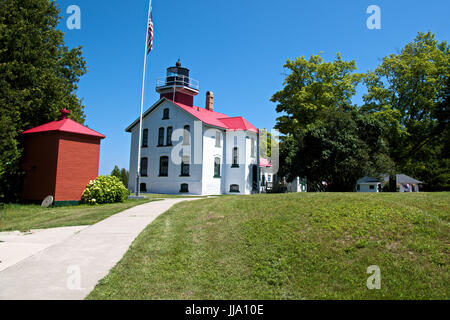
x,y
368,184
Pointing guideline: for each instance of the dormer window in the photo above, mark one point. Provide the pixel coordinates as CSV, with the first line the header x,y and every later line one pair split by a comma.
x,y
166,114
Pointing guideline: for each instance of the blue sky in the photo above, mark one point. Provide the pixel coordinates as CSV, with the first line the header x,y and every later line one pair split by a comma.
x,y
235,48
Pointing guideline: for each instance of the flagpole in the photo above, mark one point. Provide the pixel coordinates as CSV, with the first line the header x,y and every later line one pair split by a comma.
x,y
142,102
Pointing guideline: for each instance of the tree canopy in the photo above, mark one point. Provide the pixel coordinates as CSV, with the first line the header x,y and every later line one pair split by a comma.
x,y
402,126
38,77
122,174
327,138
409,93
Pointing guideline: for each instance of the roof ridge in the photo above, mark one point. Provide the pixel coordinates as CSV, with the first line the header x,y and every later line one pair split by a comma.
x,y
228,117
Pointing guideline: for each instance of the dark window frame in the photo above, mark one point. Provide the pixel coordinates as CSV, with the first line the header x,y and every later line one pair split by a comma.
x,y
169,132
161,137
233,189
163,169
235,159
185,167
145,138
184,188
144,169
166,114
143,189
217,167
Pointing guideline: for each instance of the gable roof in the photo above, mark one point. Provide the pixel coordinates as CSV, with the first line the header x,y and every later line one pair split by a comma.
x,y
238,123
65,125
402,179
212,118
368,180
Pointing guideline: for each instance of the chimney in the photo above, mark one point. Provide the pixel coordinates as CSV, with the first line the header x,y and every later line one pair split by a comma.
x,y
64,114
209,101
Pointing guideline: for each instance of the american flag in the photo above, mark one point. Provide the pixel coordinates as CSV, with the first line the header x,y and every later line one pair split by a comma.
x,y
150,33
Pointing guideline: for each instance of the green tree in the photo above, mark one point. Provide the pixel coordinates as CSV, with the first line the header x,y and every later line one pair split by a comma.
x,y
116,172
125,176
339,150
265,143
122,174
313,88
327,138
38,77
409,93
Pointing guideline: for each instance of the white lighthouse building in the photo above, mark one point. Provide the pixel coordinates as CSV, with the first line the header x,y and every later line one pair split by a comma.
x,y
192,150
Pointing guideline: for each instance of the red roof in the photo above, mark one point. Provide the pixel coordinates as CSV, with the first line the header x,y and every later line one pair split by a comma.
x,y
218,119
65,125
265,163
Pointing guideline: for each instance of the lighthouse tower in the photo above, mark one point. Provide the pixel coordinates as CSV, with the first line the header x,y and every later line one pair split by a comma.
x,y
178,86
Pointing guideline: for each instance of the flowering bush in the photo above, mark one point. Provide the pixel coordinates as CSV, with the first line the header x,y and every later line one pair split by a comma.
x,y
105,189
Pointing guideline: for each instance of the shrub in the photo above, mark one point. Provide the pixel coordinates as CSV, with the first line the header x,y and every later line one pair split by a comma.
x,y
105,189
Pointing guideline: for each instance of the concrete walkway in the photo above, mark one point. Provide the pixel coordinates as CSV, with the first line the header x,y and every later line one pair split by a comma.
x,y
69,269
16,246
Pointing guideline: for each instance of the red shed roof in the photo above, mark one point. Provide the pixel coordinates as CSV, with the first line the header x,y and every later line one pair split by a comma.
x,y
65,125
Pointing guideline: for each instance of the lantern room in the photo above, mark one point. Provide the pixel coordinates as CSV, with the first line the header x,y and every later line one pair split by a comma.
x,y
178,86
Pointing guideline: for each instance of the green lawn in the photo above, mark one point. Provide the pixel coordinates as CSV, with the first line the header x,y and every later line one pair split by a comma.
x,y
290,246
25,217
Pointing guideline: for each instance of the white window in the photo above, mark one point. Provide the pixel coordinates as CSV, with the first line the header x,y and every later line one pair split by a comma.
x,y
186,135
218,139
253,148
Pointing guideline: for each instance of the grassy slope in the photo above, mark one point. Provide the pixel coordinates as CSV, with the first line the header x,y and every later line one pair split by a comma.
x,y
295,246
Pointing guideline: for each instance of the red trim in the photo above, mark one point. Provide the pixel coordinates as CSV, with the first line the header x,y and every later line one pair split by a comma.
x,y
218,119
265,163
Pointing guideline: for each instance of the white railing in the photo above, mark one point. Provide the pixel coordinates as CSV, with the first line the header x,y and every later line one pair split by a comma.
x,y
177,80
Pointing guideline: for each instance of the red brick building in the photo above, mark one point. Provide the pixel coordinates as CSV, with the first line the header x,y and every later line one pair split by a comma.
x,y
60,158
